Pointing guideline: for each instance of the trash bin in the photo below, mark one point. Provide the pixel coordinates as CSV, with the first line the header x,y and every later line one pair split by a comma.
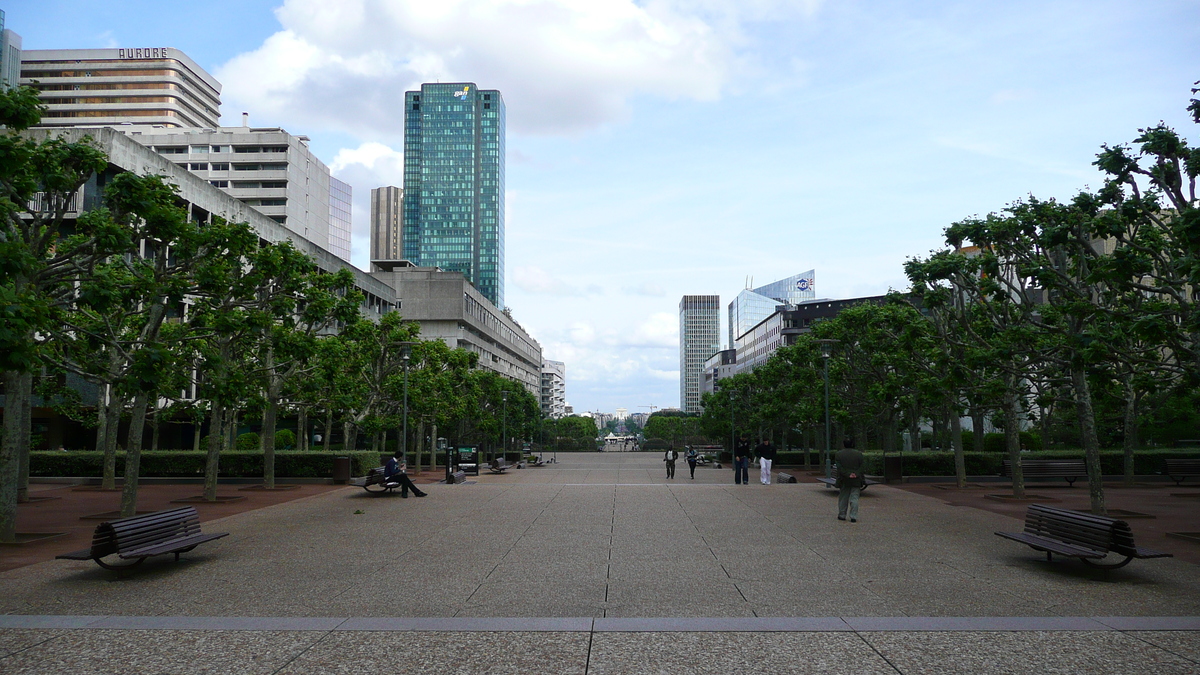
x,y
893,468
341,470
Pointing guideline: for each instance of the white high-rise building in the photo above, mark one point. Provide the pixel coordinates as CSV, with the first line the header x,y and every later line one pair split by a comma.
x,y
266,168
554,388
699,338
154,86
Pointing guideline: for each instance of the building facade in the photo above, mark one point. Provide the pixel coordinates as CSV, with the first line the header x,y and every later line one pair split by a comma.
x,y
699,338
554,389
450,309
454,183
265,168
753,305
387,244
10,56
157,86
718,366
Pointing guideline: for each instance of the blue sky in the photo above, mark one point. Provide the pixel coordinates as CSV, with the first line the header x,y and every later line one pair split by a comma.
x,y
664,148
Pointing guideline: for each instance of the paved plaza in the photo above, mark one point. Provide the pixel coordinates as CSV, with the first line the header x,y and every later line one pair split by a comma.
x,y
597,564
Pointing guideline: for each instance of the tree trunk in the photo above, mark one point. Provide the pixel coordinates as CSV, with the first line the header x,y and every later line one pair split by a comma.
x,y
1091,443
101,424
349,436
133,456
15,436
267,440
198,426
328,428
433,446
1129,441
112,409
232,433
960,461
302,440
155,424
1012,436
914,428
976,427
420,442
216,439
24,408
1045,427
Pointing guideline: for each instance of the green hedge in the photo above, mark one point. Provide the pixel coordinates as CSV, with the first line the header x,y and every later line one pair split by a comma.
x,y
1112,462
185,463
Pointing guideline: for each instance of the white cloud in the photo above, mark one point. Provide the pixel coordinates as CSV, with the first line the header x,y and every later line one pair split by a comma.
x,y
533,279
647,289
365,168
563,65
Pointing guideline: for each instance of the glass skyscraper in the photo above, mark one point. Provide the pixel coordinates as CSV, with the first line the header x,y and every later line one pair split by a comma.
x,y
454,183
751,306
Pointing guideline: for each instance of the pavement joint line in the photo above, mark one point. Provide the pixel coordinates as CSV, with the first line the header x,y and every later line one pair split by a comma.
x,y
916,624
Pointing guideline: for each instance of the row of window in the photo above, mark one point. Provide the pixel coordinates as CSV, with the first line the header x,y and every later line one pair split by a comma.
x,y
217,149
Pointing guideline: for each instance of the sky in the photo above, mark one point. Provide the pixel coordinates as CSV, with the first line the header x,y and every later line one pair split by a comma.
x,y
661,148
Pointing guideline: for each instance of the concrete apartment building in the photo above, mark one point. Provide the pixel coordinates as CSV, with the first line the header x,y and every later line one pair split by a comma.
x,y
554,389
101,87
387,224
451,309
699,338
266,168
10,56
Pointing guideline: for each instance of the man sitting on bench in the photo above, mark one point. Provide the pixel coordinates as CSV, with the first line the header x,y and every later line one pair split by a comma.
x,y
395,474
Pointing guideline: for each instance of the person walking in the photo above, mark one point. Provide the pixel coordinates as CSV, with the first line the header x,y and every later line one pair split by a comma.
x,y
741,462
766,457
670,458
850,480
692,457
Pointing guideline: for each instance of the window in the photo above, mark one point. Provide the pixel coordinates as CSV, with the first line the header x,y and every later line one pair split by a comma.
x,y
275,148
171,150
243,149
219,183
274,184
222,148
198,166
273,202
199,149
279,219
220,166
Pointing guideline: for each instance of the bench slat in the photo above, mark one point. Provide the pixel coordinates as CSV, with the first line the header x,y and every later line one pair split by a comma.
x,y
172,545
1053,545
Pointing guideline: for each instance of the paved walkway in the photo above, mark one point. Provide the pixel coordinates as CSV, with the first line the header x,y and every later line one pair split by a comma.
x,y
598,565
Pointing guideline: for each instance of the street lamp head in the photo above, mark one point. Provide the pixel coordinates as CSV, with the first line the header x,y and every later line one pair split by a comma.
x,y
504,395
827,347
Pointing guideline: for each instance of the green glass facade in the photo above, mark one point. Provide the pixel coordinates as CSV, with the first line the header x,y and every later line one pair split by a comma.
x,y
454,182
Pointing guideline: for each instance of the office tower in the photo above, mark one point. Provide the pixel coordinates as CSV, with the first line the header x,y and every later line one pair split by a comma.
x,y
554,388
10,56
454,183
387,245
266,168
341,198
699,338
751,306
156,86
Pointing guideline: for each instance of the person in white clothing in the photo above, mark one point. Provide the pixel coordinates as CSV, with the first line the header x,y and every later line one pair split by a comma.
x,y
766,457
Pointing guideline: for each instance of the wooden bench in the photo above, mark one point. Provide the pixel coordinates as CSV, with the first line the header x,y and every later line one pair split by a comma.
x,y
832,480
375,482
1079,535
140,537
1180,470
1067,469
499,465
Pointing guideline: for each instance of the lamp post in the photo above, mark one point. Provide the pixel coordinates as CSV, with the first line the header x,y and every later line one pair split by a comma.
x,y
826,352
504,425
406,354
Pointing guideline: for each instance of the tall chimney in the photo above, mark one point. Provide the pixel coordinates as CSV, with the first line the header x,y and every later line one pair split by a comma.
x,y
245,119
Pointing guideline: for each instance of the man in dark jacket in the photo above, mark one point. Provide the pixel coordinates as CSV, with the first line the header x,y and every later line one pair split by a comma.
x,y
850,480
394,474
766,457
741,462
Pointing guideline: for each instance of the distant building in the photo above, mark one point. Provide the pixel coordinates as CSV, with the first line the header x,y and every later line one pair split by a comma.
x,y
454,183
450,309
10,56
699,338
554,389
621,414
266,168
718,366
157,86
387,224
751,306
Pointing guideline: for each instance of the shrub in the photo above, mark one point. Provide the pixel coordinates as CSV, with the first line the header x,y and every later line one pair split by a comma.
x,y
1146,462
248,441
188,464
285,439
